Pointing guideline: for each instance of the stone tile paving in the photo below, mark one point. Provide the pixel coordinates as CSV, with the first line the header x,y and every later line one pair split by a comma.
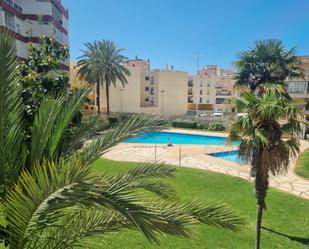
x,y
196,157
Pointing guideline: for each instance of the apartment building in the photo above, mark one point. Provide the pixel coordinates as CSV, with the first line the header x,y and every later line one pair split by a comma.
x,y
298,88
161,91
29,20
210,90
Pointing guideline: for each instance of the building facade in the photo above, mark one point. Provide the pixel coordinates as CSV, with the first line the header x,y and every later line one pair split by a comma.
x,y
298,88
210,90
171,92
29,20
161,91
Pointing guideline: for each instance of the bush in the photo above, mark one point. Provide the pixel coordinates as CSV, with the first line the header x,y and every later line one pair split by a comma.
x,y
202,125
216,126
112,120
184,124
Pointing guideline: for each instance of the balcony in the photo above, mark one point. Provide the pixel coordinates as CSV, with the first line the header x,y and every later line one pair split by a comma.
x,y
298,89
10,26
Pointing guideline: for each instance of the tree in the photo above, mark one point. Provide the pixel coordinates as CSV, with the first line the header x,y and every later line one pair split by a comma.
x,y
102,64
267,134
51,199
40,75
268,62
265,68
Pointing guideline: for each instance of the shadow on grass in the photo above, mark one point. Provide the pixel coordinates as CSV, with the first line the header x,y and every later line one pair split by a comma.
x,y
304,241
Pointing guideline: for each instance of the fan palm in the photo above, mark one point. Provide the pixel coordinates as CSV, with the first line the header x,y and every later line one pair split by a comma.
x,y
268,62
56,201
102,64
267,134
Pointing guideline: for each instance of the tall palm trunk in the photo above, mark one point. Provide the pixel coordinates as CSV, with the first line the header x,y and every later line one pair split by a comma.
x,y
107,97
98,97
261,186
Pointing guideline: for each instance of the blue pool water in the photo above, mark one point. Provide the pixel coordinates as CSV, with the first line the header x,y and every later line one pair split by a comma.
x,y
230,156
176,138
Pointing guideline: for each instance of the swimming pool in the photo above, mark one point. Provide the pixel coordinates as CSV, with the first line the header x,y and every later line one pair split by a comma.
x,y
176,138
230,156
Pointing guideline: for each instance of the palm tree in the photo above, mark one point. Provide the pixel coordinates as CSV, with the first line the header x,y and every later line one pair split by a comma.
x,y
265,68
103,64
268,62
267,141
52,199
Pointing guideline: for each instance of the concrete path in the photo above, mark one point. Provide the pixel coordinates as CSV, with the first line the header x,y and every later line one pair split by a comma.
x,y
195,156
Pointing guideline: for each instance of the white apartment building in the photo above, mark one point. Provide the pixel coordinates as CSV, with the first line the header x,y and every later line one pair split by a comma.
x,y
29,20
210,90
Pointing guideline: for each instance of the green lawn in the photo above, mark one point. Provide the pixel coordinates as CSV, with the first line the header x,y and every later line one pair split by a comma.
x,y
287,216
302,168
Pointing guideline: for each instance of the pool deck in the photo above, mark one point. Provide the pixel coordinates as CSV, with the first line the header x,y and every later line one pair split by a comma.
x,y
195,156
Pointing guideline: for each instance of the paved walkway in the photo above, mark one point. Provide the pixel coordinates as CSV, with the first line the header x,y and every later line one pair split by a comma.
x,y
195,156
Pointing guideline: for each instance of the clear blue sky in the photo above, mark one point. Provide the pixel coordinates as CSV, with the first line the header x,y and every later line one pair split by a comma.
x,y
174,32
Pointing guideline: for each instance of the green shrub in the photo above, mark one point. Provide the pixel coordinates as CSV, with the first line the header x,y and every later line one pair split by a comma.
x,y
184,124
202,125
112,120
216,126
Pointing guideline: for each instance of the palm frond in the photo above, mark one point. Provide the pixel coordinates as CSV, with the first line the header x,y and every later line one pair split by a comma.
x,y
51,122
11,134
84,132
44,201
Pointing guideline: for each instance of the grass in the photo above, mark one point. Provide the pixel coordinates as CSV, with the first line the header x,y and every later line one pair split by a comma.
x,y
286,219
302,168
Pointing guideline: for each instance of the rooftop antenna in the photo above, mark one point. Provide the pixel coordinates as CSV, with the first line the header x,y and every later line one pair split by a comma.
x,y
198,62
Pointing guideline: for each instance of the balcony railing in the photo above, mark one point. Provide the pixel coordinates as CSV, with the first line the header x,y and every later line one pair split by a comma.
x,y
10,26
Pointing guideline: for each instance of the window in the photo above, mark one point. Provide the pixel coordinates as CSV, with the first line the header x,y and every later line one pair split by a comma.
x,y
18,28
207,92
9,21
219,100
147,78
207,101
151,80
201,99
201,84
297,87
201,92
190,99
58,35
151,91
146,88
146,99
56,14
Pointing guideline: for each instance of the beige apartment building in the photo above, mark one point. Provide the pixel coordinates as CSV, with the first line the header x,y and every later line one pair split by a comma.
x,y
171,92
210,90
29,20
160,91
